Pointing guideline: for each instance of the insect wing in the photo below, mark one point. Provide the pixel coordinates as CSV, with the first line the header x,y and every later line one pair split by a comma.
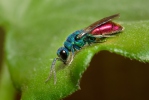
x,y
96,24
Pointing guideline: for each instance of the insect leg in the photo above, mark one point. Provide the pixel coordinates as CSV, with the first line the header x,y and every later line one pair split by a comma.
x,y
72,55
52,71
97,38
103,36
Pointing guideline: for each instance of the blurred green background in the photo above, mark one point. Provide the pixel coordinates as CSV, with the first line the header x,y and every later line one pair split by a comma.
x,y
109,76
1,46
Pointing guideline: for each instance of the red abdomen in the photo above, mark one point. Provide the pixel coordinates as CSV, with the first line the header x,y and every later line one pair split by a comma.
x,y
107,28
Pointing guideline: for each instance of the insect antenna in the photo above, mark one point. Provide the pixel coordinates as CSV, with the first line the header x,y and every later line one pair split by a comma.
x,y
52,71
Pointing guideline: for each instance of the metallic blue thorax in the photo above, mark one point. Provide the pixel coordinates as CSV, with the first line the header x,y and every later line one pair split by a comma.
x,y
73,44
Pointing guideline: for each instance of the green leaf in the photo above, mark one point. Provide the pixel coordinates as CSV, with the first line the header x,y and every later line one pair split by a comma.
x,y
36,29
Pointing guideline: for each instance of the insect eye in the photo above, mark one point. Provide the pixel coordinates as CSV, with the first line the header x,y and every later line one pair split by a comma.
x,y
63,53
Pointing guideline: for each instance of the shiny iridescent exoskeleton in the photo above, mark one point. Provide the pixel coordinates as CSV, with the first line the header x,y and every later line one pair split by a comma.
x,y
94,33
73,44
